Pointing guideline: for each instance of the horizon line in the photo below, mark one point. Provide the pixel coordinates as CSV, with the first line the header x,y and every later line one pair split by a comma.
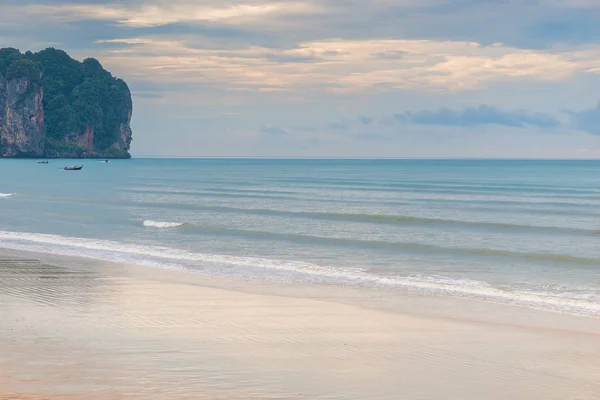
x,y
367,158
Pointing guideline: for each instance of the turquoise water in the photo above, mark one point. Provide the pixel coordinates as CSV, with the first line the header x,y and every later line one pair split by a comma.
x,y
521,232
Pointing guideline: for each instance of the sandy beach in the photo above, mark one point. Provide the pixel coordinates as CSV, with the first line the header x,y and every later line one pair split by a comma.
x,y
75,329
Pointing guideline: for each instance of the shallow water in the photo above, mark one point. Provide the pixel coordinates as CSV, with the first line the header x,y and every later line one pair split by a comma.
x,y
519,232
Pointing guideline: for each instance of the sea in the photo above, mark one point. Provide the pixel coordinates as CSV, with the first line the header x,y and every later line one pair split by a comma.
x,y
521,232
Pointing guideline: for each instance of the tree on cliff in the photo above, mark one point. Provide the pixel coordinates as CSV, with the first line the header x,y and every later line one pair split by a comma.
x,y
7,57
87,111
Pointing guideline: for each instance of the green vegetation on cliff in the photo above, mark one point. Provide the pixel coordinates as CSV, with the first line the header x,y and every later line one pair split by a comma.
x,y
13,65
86,110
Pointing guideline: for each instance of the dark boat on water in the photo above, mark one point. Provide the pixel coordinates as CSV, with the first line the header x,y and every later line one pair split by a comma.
x,y
73,168
42,162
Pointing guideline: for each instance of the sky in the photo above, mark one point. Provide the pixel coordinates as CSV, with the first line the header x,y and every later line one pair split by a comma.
x,y
339,78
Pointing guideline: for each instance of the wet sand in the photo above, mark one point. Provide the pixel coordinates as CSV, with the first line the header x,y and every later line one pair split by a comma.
x,y
82,330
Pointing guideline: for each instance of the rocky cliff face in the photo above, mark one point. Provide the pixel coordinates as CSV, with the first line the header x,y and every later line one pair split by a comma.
x,y
125,134
54,106
81,144
22,131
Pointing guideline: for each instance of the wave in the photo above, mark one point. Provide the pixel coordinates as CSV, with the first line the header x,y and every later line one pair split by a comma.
x,y
159,224
292,271
387,219
67,217
395,219
405,197
188,200
444,187
316,240
2,195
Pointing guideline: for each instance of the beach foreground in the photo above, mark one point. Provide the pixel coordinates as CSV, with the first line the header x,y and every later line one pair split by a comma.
x,y
84,330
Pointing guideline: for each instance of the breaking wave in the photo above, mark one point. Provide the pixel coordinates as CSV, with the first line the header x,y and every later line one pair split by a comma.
x,y
571,301
160,224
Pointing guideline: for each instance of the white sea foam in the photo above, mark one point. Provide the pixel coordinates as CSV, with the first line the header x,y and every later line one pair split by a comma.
x,y
251,267
160,224
6,195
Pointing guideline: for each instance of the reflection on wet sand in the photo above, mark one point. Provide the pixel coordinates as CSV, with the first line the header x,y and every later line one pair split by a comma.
x,y
72,334
62,287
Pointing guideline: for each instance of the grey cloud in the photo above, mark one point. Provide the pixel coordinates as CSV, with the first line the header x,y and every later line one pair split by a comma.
x,y
372,137
516,23
206,30
391,55
290,58
532,24
482,115
587,120
273,130
57,2
338,126
570,26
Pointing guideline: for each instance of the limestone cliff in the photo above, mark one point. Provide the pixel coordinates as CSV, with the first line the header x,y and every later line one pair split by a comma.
x,y
22,131
54,106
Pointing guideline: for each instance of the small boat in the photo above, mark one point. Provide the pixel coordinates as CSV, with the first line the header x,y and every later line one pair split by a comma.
x,y
42,162
73,168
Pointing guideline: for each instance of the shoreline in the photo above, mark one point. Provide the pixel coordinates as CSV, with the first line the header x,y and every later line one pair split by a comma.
x,y
158,257
78,328
426,305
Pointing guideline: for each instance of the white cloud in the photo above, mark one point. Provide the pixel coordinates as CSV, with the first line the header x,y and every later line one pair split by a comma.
x,y
346,65
151,14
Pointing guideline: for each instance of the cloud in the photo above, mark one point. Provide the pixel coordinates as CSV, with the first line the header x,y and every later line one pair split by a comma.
x,y
482,115
273,130
338,126
157,13
519,23
372,137
587,120
288,45
386,127
342,66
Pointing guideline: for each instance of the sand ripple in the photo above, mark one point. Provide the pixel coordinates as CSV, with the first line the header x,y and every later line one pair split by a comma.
x,y
91,334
